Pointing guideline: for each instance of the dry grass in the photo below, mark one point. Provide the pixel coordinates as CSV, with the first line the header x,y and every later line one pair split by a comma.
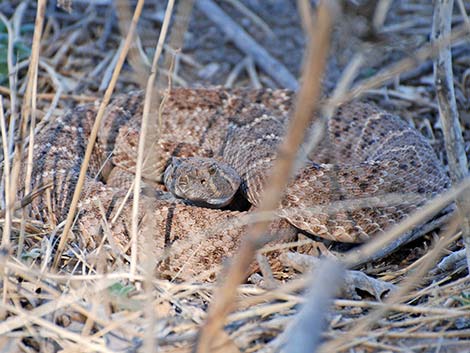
x,y
89,307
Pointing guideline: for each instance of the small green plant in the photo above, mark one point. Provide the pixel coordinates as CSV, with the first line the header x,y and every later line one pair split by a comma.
x,y
120,290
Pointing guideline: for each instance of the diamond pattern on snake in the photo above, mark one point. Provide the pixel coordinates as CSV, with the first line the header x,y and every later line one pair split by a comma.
x,y
215,144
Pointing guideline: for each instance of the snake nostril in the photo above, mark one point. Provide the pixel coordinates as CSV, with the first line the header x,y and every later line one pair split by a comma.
x,y
203,181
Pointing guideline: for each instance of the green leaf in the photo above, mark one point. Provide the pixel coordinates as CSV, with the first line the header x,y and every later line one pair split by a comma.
x,y
120,290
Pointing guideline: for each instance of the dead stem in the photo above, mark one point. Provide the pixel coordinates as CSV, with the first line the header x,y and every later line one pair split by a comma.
x,y
366,251
449,116
352,337
149,127
247,44
94,132
306,101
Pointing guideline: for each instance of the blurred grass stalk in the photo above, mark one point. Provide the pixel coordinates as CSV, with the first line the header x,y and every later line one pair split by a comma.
x,y
307,98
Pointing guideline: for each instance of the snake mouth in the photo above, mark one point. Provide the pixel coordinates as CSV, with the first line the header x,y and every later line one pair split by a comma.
x,y
211,203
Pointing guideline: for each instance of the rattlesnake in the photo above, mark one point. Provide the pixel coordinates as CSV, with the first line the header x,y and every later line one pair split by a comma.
x,y
366,153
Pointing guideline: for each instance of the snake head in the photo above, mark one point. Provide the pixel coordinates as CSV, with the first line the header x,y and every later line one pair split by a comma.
x,y
202,181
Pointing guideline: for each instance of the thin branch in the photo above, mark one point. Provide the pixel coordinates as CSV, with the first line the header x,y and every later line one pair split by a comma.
x,y
352,338
448,112
12,80
307,100
247,44
394,236
392,71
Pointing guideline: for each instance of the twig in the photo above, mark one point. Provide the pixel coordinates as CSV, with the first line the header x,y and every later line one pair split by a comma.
x,y
175,44
250,67
394,237
248,45
27,199
307,99
464,13
304,333
448,112
252,16
136,56
401,66
94,132
449,262
109,72
148,135
352,279
380,14
28,115
351,339
237,69
23,317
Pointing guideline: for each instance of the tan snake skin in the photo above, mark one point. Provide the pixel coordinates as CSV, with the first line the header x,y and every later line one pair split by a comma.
x,y
367,153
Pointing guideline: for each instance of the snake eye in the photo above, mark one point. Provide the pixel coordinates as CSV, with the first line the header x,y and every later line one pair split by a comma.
x,y
212,169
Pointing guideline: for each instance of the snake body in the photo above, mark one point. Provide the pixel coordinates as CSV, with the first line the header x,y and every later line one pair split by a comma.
x,y
366,154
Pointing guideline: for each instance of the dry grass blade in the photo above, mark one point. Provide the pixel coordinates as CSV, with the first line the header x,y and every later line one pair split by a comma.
x,y
175,44
29,107
81,341
6,175
319,127
63,300
94,132
449,116
151,101
29,104
12,80
401,66
148,135
307,98
352,337
367,251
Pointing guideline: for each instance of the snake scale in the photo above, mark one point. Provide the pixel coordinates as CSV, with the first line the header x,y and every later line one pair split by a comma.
x,y
228,137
